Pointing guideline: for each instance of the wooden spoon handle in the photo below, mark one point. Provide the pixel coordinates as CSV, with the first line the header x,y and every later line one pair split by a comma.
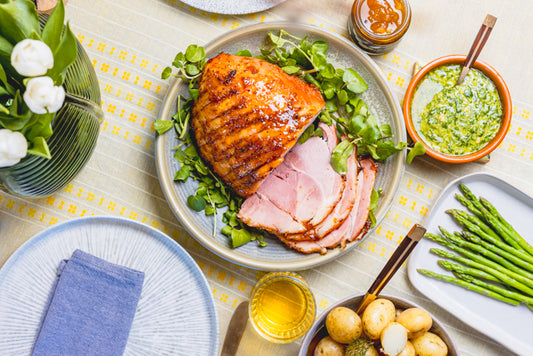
x,y
393,264
477,46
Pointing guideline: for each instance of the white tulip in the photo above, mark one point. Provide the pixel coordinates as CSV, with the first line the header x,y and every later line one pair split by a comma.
x,y
32,58
42,96
13,147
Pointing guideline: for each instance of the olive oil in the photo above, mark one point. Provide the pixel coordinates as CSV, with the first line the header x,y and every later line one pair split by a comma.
x,y
282,307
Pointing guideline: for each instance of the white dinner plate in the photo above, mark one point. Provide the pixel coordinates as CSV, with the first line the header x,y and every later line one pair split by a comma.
x,y
506,324
276,256
176,312
233,7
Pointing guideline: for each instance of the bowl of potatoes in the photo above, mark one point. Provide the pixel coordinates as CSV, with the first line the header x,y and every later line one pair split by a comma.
x,y
389,326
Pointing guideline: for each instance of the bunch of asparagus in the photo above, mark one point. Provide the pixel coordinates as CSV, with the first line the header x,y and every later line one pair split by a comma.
x,y
494,260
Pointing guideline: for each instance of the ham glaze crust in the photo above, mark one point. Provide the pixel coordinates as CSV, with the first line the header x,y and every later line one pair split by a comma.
x,y
248,115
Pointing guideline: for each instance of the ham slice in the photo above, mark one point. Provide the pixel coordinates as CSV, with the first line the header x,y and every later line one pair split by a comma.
x,y
313,158
258,210
305,187
339,214
355,225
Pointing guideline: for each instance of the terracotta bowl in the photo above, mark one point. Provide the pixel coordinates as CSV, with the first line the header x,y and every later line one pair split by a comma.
x,y
309,343
505,99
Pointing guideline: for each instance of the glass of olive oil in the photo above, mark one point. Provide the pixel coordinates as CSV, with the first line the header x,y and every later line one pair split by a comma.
x,y
282,307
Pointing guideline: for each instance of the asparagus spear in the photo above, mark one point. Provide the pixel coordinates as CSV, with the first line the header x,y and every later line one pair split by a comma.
x,y
458,240
505,292
496,272
470,286
492,209
473,200
506,226
482,260
456,213
518,257
454,267
506,234
469,205
477,230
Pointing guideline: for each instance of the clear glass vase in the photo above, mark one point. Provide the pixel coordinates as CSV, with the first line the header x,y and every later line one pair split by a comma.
x,y
75,132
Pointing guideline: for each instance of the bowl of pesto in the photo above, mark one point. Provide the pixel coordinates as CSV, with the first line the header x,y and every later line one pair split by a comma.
x,y
457,123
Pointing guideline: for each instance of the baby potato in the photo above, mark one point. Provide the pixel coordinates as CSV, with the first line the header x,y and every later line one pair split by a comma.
x,y
377,315
344,325
371,351
329,347
429,344
393,339
408,350
416,321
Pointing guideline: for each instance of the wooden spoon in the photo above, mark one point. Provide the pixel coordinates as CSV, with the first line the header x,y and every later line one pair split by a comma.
x,y
477,46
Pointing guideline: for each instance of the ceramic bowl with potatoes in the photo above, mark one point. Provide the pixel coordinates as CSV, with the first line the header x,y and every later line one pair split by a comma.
x,y
389,326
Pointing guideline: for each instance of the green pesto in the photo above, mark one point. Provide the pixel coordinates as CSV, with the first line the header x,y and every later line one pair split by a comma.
x,y
462,119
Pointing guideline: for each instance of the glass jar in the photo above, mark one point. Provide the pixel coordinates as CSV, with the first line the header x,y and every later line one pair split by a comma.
x,y
75,131
377,26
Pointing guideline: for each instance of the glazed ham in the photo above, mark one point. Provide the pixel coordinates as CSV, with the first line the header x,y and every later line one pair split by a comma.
x,y
248,115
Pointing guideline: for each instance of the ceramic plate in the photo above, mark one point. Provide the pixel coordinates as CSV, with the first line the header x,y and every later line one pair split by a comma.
x,y
233,7
509,325
176,312
276,256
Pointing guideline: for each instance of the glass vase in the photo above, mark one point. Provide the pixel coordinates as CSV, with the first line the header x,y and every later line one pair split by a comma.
x,y
75,131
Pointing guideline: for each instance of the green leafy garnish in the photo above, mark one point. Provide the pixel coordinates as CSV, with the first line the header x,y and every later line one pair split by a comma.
x,y
189,65
358,347
417,150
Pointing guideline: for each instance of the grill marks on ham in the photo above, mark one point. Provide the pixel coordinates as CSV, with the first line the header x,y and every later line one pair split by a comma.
x,y
248,115
307,204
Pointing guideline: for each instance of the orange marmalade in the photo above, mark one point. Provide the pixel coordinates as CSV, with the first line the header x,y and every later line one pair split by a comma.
x,y
377,26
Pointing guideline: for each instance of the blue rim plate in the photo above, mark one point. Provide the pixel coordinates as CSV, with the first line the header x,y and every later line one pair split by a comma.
x,y
175,292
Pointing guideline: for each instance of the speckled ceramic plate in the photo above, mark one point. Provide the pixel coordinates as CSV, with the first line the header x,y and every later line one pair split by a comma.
x,y
176,312
233,7
276,256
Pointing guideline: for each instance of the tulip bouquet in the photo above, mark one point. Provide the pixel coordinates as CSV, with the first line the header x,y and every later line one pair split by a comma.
x,y
33,62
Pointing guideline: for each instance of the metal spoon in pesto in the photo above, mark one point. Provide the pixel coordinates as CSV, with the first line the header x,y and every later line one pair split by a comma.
x,y
477,46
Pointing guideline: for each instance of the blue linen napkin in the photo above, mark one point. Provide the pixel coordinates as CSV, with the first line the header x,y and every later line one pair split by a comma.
x,y
90,309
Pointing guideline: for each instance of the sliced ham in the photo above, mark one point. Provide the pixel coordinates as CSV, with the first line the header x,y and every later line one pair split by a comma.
x,y
313,158
304,187
341,211
370,170
355,226
330,135
259,210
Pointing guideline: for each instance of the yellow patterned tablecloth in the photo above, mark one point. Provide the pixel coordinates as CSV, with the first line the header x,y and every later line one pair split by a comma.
x,y
130,42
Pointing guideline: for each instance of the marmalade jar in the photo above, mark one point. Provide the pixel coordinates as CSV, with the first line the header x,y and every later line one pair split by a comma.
x,y
377,26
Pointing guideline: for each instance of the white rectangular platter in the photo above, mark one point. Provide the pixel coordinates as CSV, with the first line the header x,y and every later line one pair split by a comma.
x,y
509,325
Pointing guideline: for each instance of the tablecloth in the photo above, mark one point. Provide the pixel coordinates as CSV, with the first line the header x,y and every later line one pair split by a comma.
x,y
130,42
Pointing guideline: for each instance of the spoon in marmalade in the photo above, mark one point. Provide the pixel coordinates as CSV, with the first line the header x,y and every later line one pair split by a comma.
x,y
477,46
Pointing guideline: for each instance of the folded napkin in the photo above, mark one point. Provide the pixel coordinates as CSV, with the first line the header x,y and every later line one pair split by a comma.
x,y
90,309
